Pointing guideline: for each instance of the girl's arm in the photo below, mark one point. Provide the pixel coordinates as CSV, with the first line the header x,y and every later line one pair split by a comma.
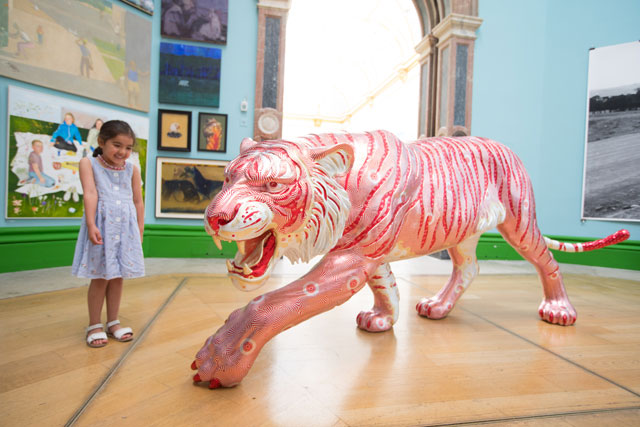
x,y
90,200
138,202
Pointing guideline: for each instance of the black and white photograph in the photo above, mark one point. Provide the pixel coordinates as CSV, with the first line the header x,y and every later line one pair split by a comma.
x,y
611,189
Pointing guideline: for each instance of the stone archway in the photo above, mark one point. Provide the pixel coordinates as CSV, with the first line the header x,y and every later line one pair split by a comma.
x,y
446,58
446,61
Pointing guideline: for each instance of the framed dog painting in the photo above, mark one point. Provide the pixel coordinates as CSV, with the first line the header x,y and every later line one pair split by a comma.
x,y
212,132
174,130
184,187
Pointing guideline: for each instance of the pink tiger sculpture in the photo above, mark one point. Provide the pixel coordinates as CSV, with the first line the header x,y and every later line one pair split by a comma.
x,y
365,200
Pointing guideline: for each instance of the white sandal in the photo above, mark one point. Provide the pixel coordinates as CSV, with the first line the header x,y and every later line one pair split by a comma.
x,y
96,336
119,333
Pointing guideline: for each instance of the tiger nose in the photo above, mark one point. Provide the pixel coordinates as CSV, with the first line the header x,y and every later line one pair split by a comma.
x,y
215,221
218,215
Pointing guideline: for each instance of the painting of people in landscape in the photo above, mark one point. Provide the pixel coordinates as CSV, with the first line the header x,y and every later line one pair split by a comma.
x,y
612,159
48,136
92,48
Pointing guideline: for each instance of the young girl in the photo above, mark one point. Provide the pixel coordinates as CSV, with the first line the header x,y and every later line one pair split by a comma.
x,y
109,245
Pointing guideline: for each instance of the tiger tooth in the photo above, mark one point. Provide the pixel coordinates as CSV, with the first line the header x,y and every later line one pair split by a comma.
x,y
241,248
246,269
216,240
230,266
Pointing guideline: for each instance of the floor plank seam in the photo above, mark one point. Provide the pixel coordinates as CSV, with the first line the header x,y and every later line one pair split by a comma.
x,y
125,355
576,364
539,416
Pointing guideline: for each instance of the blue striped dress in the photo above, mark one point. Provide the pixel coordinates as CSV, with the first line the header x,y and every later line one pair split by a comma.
x,y
120,255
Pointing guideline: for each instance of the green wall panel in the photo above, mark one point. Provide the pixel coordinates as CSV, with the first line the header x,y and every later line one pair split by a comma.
x,y
30,248
622,255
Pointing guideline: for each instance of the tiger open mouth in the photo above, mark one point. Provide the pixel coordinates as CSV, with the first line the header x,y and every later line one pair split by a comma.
x,y
253,256
251,266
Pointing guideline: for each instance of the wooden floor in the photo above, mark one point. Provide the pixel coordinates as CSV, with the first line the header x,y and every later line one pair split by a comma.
x,y
491,362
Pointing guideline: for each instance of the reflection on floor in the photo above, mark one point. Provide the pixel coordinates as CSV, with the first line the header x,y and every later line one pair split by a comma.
x,y
491,361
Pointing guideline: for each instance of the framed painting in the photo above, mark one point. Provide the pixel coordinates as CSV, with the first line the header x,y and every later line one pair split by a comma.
x,y
55,134
189,75
174,130
91,48
212,132
202,21
611,181
184,187
144,5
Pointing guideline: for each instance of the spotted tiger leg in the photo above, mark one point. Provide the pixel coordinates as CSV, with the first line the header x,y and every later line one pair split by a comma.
x,y
555,306
226,357
385,310
465,269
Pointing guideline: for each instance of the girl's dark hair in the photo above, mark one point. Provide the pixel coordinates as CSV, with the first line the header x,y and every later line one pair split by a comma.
x,y
111,129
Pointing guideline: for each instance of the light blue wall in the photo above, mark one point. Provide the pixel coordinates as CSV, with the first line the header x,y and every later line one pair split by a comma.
x,y
530,93
238,78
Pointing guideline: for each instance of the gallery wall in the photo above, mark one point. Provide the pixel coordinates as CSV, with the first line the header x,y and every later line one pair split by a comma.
x,y
237,77
530,92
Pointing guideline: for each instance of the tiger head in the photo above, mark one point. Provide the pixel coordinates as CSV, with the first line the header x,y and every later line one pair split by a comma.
x,y
279,198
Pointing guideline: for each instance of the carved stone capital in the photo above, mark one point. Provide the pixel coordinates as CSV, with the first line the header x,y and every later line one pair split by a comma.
x,y
285,5
426,47
455,25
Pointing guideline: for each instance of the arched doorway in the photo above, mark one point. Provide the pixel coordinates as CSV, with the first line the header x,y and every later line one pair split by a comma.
x,y
445,56
351,66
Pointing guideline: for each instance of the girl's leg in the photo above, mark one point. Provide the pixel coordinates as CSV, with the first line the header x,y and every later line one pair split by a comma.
x,y
95,299
114,295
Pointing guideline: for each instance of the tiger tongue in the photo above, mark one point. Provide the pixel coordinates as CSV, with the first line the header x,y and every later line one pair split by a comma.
x,y
252,253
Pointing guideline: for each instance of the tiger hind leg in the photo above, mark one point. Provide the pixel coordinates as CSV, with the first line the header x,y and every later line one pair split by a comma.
x,y
385,310
555,306
465,269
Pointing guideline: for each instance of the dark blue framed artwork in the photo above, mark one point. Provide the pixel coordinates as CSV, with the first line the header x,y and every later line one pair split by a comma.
x,y
189,75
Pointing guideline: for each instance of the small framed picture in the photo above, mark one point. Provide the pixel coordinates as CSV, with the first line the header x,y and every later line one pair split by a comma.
x,y
189,75
184,187
144,5
174,130
200,21
212,132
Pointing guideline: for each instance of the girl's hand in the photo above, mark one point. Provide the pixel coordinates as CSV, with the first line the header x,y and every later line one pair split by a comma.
x,y
94,235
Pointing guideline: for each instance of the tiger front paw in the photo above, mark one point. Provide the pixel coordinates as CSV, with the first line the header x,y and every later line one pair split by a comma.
x,y
374,321
226,357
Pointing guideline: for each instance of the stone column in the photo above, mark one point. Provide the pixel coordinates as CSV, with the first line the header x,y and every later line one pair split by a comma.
x,y
456,36
272,23
428,65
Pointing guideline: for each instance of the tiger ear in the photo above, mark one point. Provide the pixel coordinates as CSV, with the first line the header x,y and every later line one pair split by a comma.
x,y
246,144
336,160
